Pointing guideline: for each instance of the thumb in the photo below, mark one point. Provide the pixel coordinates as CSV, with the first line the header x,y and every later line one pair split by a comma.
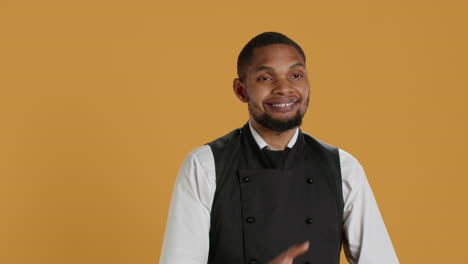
x,y
298,249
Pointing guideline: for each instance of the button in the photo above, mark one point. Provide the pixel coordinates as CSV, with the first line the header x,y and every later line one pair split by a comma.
x,y
246,179
253,261
310,180
250,220
308,221
307,262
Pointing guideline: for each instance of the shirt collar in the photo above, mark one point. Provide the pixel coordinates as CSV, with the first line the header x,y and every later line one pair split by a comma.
x,y
261,143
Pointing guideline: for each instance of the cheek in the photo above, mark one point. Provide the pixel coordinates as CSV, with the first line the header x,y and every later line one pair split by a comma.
x,y
256,96
255,102
305,92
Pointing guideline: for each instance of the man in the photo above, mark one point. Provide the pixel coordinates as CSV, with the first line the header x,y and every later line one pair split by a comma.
x,y
268,192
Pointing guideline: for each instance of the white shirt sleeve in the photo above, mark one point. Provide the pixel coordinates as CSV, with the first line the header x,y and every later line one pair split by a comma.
x,y
186,239
366,240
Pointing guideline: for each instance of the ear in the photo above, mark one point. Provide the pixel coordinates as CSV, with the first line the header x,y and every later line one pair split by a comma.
x,y
239,90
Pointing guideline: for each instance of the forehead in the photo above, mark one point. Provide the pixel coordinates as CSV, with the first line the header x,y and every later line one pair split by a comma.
x,y
276,54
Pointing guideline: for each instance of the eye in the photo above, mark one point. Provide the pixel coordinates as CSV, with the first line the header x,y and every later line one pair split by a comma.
x,y
264,78
297,76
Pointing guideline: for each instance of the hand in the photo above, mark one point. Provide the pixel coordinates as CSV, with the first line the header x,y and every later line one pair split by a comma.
x,y
291,253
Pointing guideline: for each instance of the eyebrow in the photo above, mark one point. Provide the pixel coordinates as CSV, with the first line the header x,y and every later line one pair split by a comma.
x,y
299,64
268,68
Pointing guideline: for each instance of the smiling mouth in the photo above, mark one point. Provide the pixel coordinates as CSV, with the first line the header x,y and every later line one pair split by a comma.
x,y
283,105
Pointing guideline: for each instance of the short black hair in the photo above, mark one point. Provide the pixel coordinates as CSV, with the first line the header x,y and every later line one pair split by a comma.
x,y
261,40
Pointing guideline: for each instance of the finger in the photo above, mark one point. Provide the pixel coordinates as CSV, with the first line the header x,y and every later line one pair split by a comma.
x,y
298,249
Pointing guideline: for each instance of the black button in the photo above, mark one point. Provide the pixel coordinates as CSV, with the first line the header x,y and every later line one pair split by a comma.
x,y
307,262
246,179
308,221
310,180
250,219
252,261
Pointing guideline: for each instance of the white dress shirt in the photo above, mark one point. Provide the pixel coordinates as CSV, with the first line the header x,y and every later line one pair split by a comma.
x,y
186,240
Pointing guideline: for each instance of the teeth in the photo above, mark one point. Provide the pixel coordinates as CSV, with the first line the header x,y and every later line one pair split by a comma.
x,y
282,105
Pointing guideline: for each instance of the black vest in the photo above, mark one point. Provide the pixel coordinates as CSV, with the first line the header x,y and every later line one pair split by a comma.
x,y
258,212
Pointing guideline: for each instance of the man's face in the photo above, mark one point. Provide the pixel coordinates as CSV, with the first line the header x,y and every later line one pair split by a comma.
x,y
276,87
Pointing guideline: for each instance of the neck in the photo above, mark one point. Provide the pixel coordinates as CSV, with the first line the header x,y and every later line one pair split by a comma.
x,y
275,139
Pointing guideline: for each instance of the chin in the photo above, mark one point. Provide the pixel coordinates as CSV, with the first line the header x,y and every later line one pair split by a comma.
x,y
279,124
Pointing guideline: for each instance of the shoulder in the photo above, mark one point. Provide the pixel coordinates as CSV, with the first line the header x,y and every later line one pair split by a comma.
x,y
352,172
226,140
328,149
353,175
350,166
202,158
197,175
348,160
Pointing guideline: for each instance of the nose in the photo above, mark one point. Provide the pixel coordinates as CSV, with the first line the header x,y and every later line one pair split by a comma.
x,y
282,87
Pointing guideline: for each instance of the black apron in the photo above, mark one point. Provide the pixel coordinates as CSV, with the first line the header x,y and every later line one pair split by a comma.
x,y
258,211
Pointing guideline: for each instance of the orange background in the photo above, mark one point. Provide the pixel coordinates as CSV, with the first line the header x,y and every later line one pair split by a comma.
x,y
100,101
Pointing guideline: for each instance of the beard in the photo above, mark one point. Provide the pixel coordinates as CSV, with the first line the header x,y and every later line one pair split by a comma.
x,y
276,124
